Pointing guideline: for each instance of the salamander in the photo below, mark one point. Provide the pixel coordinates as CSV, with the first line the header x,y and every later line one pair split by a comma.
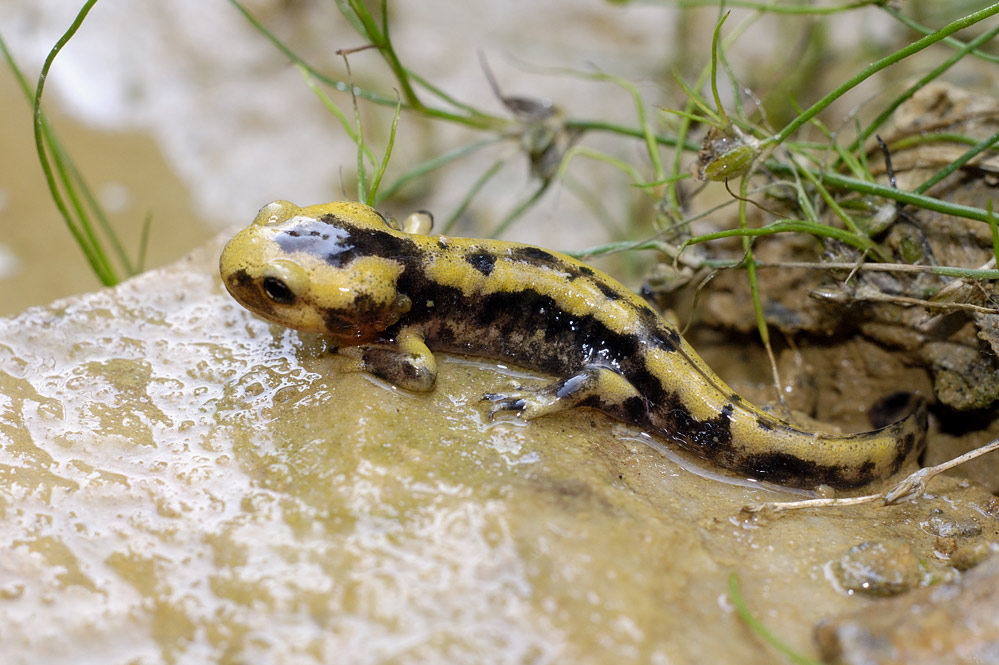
x,y
389,295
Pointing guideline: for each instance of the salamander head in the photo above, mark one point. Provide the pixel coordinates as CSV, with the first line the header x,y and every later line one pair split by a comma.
x,y
329,269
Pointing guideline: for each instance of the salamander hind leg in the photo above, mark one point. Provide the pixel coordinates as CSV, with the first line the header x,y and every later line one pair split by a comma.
x,y
406,363
594,386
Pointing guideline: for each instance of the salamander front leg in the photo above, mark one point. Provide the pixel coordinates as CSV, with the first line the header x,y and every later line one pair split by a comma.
x,y
407,363
597,387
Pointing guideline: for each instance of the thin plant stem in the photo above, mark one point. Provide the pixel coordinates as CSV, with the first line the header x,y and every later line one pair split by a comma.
x,y
515,214
476,187
922,29
870,70
918,85
82,232
970,154
859,186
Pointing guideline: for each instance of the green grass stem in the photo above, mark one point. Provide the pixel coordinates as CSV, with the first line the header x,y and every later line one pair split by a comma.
x,y
970,154
859,186
59,171
870,70
882,118
922,29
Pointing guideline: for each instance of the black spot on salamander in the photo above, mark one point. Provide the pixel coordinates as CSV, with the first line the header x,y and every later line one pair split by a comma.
x,y
250,292
363,310
903,447
662,335
609,292
532,328
786,469
335,220
711,438
673,335
438,310
338,242
779,467
534,255
409,371
867,469
765,424
482,261
659,331
635,409
542,258
240,279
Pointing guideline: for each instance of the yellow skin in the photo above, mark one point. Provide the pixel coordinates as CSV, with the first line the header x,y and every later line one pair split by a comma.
x,y
388,294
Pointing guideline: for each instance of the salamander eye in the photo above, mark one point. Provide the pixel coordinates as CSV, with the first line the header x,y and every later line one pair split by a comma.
x,y
284,281
278,291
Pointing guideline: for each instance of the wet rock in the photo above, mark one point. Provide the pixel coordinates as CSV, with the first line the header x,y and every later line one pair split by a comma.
x,y
884,568
953,623
939,524
182,482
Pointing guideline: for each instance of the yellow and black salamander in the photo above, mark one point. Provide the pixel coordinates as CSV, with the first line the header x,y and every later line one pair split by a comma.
x,y
388,293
